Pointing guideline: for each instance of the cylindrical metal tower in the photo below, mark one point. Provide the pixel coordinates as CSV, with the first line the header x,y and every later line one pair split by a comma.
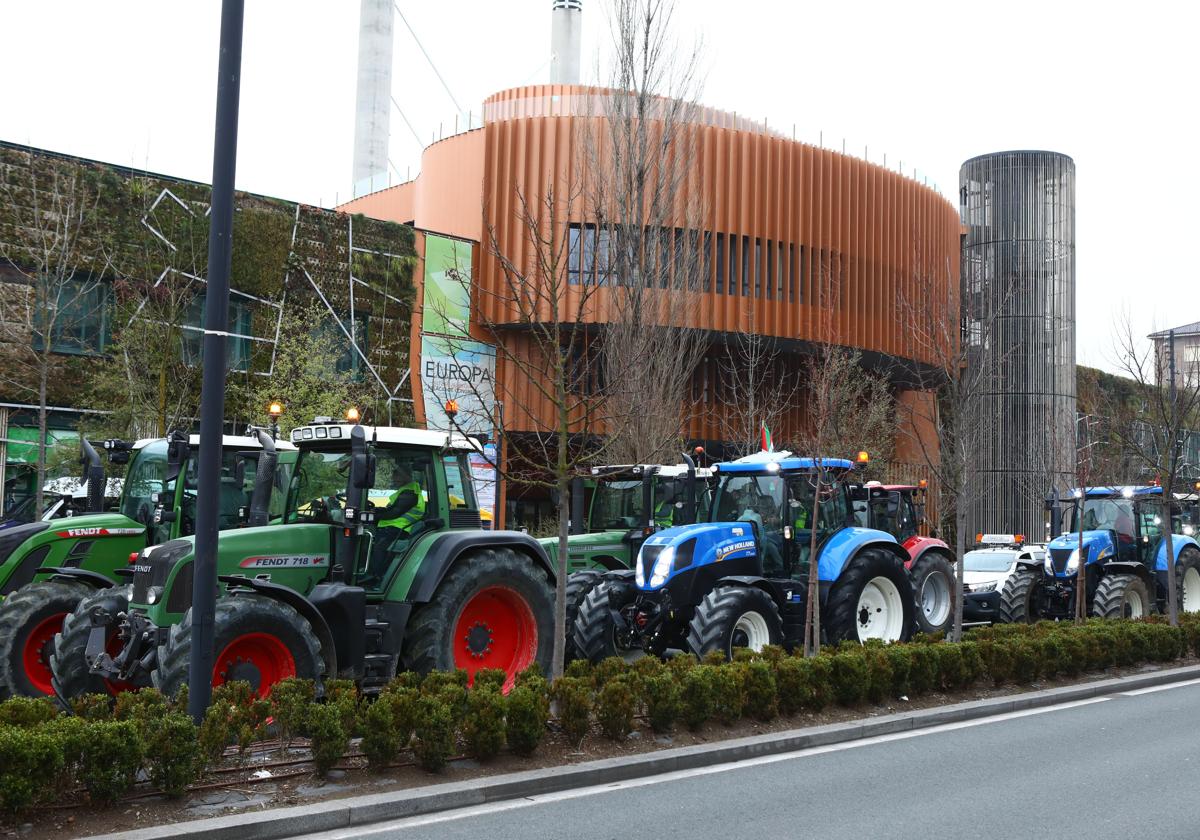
x,y
373,104
566,28
1018,292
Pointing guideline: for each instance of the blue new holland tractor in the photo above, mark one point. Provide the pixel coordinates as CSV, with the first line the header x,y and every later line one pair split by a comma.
x,y
1124,555
741,579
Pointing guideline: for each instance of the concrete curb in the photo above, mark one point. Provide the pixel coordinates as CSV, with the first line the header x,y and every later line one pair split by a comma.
x,y
362,810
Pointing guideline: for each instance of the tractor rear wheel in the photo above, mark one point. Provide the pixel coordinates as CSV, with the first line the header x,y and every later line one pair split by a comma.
x,y
1017,597
256,639
871,600
595,632
29,619
1121,596
1187,577
493,609
933,582
579,584
734,616
68,665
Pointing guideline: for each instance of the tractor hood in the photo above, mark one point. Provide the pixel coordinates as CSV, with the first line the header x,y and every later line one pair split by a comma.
x,y
614,540
1097,546
674,550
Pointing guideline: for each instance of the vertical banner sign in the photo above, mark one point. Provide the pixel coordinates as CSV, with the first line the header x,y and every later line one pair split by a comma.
x,y
447,307
462,370
483,473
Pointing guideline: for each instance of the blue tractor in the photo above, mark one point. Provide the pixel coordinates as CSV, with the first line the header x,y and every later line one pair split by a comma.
x,y
741,579
1124,556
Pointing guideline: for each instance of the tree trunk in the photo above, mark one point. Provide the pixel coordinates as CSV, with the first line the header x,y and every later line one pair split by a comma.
x,y
1081,570
1168,538
960,546
39,500
812,618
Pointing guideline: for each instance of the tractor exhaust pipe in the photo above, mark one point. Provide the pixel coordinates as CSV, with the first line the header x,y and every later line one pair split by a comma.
x,y
1056,513
689,511
93,476
264,481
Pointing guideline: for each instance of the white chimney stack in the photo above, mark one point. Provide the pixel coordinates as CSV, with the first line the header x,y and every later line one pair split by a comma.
x,y
373,107
566,26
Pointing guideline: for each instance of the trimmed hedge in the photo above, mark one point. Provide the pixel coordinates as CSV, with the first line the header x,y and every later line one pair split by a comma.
x,y
105,746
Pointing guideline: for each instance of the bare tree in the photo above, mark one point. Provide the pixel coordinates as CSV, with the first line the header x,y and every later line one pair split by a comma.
x,y
51,251
642,187
1168,410
757,385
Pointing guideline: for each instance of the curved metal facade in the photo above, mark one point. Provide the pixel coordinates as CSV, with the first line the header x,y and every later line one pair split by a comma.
x,y
1018,281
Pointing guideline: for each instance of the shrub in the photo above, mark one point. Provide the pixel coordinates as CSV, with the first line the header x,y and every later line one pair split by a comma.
x,y
343,694
215,733
483,728
404,704
714,657
435,681
579,668
900,657
1025,658
663,705
728,693
30,764
760,690
525,722
533,672
330,740
173,753
607,669
682,663
435,731
951,672
93,706
999,661
646,667
27,712
111,756
380,740
290,702
68,732
772,653
879,673
973,667
923,673
851,678
573,695
743,654
616,703
493,677
407,679
142,707
698,692
820,678
792,685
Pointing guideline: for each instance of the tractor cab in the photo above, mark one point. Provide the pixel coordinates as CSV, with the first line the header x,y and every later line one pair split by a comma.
x,y
898,509
1118,523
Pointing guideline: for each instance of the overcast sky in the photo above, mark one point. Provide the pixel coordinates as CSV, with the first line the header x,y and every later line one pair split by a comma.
x,y
928,84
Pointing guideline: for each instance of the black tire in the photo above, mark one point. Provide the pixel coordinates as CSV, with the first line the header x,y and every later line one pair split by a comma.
x,y
845,611
271,624
68,664
430,638
933,581
579,584
1114,594
1189,600
1017,597
32,608
595,632
731,616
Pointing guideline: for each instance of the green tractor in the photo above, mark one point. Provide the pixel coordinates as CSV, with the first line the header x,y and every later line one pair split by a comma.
x,y
381,564
630,502
48,568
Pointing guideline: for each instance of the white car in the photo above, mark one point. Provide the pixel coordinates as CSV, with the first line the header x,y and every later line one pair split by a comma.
x,y
985,571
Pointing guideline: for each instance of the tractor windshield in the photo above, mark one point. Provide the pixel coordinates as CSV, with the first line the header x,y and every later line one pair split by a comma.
x,y
1106,515
751,498
143,479
616,504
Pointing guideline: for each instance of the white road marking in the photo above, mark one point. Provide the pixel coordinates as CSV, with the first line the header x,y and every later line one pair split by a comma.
x,y
594,790
1140,691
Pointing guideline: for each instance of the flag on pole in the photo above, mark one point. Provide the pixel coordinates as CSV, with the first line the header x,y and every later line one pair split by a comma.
x,y
767,446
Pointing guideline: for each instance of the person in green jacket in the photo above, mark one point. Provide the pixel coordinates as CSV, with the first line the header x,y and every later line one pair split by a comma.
x,y
395,520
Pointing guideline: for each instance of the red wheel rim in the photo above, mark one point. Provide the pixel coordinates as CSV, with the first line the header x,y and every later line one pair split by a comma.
x,y
36,655
495,629
259,658
112,647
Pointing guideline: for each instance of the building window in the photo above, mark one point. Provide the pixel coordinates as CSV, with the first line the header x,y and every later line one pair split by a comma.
x,y
745,266
706,266
770,268
758,267
77,319
573,254
720,263
237,348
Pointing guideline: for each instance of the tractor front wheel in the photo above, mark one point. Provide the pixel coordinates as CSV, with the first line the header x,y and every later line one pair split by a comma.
x,y
1121,596
256,639
29,619
1017,597
579,584
595,634
933,581
734,616
1187,576
871,600
493,609
71,676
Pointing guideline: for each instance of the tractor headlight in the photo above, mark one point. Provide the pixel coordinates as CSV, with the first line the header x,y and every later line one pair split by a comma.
x,y
1073,561
662,566
153,594
639,577
1049,564
983,587
1189,531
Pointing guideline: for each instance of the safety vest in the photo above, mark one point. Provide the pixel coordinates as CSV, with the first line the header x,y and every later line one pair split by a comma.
x,y
802,519
664,514
411,516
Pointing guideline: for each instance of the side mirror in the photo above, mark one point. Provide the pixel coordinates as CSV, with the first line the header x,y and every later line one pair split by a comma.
x,y
858,493
363,470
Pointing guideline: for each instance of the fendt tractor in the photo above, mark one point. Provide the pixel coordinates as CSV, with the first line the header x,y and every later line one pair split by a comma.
x,y
630,502
380,564
899,509
1124,556
47,568
741,579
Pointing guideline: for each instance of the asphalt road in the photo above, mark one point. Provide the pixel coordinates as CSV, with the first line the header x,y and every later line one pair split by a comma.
x,y
1124,766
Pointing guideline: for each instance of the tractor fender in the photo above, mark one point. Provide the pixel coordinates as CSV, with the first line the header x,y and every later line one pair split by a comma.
x,y
918,546
448,546
298,602
779,592
92,579
1137,569
843,546
1030,563
1178,542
